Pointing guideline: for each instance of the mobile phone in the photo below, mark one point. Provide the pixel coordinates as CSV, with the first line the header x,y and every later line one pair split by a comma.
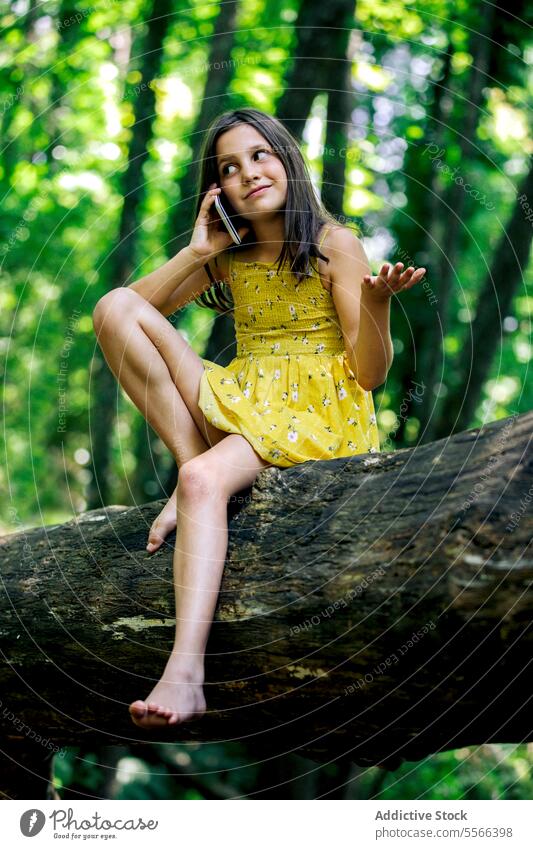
x,y
226,220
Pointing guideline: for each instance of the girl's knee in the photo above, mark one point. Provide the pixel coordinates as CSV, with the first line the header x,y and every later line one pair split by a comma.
x,y
199,479
116,302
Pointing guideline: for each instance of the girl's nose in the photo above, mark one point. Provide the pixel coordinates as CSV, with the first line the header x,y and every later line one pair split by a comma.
x,y
249,173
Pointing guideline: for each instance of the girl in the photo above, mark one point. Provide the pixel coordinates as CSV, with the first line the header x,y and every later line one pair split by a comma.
x,y
312,342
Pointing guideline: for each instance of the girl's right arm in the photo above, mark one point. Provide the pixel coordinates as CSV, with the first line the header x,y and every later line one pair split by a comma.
x,y
184,277
171,286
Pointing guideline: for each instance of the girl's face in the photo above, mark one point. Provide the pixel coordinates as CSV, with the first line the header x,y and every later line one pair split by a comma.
x,y
246,161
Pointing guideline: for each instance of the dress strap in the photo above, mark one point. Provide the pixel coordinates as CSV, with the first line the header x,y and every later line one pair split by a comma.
x,y
323,236
209,273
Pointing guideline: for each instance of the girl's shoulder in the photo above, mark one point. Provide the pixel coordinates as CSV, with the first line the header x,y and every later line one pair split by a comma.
x,y
328,241
332,234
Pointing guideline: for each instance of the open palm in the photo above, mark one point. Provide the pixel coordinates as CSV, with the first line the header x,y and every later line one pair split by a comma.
x,y
392,280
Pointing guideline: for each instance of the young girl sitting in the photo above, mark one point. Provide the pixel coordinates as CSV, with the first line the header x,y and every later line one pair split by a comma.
x,y
313,340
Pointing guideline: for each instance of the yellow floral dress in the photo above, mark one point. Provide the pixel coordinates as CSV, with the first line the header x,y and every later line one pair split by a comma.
x,y
290,390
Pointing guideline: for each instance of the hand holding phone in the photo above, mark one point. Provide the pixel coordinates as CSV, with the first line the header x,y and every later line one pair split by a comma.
x,y
207,238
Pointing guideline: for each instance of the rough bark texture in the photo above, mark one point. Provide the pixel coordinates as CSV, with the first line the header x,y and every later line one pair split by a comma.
x,y
331,569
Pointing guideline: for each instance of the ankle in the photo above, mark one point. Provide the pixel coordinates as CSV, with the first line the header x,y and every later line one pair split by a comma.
x,y
192,673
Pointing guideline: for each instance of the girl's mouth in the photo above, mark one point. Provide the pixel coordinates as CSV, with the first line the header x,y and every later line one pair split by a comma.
x,y
258,192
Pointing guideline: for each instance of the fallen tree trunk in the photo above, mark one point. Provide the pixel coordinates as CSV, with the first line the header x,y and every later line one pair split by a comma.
x,y
376,608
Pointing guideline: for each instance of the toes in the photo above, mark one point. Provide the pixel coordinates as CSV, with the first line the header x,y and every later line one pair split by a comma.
x,y
158,710
152,715
154,541
150,721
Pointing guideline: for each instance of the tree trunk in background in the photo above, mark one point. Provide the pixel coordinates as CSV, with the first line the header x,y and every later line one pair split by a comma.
x,y
321,37
419,309
59,75
221,43
340,102
504,279
116,271
344,639
450,230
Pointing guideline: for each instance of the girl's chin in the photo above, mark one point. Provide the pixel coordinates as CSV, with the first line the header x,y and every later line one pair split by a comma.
x,y
261,213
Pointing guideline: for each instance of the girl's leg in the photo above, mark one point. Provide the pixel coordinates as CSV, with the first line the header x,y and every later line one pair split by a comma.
x,y
204,486
161,374
158,369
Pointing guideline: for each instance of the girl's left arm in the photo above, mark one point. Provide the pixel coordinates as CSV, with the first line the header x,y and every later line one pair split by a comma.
x,y
362,302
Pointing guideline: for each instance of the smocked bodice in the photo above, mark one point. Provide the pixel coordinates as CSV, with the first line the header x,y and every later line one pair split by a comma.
x,y
277,315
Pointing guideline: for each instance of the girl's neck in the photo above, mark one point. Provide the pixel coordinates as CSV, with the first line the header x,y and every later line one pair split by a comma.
x,y
269,237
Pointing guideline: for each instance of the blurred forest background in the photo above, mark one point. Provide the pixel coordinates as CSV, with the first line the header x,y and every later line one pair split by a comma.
x,y
415,120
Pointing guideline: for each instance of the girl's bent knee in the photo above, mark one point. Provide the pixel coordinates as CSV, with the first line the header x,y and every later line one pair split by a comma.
x,y
116,301
197,480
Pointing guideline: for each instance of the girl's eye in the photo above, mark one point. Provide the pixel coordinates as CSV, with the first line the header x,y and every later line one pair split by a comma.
x,y
229,165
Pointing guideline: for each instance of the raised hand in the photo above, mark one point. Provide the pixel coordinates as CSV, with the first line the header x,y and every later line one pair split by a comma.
x,y
209,236
391,281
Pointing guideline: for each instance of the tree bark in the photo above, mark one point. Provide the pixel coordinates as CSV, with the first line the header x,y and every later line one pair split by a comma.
x,y
376,608
321,37
340,101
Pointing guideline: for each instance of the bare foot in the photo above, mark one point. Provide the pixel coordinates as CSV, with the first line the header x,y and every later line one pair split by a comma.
x,y
163,524
177,697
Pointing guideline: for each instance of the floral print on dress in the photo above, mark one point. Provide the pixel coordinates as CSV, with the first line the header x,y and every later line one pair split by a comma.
x,y
293,394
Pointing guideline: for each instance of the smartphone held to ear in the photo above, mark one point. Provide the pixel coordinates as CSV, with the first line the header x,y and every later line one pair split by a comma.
x,y
226,220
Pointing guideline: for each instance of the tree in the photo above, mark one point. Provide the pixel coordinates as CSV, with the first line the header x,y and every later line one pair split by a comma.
x,y
120,264
319,59
375,608
502,282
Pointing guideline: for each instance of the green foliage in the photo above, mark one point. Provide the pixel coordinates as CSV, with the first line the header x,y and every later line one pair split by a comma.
x,y
226,771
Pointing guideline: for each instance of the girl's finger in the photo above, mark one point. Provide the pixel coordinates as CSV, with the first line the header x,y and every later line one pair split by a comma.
x,y
406,276
396,273
415,277
209,196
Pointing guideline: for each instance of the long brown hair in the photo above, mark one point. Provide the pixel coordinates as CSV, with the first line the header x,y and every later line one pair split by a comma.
x,y
305,214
